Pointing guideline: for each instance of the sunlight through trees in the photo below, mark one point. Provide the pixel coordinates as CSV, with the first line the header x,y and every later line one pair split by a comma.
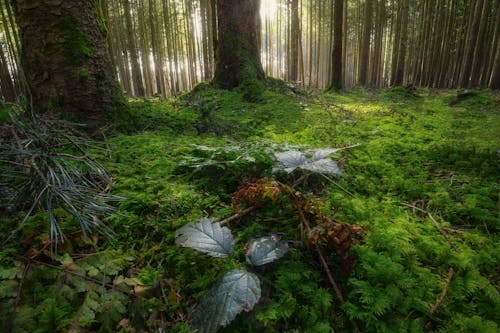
x,y
164,47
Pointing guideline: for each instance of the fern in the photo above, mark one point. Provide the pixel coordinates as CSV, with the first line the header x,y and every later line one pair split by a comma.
x,y
84,293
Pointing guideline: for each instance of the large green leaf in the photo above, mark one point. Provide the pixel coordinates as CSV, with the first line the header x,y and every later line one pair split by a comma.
x,y
264,250
208,237
236,291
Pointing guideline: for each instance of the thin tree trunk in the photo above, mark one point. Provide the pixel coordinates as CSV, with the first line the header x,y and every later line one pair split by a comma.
x,y
132,47
479,51
294,40
6,84
337,64
365,43
471,43
145,49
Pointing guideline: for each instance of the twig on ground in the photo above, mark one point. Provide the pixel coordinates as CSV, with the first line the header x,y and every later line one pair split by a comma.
x,y
62,269
338,185
438,227
326,268
238,215
440,300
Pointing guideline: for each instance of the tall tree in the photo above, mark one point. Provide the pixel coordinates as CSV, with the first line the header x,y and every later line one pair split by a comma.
x,y
401,56
376,68
472,38
64,57
134,54
399,44
494,82
337,63
6,83
238,55
294,40
365,43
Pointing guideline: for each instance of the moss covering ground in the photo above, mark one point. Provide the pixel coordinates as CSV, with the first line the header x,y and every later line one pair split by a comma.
x,y
423,183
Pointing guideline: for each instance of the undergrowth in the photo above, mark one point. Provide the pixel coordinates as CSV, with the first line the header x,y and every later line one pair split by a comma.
x,y
423,184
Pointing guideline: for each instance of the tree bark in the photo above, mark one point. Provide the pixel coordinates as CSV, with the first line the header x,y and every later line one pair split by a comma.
x,y
65,59
471,43
134,54
6,84
365,44
400,68
377,51
238,57
479,51
337,63
294,40
495,73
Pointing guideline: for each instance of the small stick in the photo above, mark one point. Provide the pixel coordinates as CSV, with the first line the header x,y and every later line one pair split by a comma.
x,y
440,300
61,269
438,227
326,268
322,259
236,216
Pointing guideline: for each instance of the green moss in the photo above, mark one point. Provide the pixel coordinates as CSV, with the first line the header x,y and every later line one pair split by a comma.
x,y
101,20
252,90
82,74
76,43
245,65
416,151
4,112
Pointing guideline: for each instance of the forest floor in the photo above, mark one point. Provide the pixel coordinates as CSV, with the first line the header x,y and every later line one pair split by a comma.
x,y
421,179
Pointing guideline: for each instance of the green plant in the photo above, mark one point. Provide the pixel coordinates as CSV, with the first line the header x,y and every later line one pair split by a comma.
x,y
69,294
236,291
48,167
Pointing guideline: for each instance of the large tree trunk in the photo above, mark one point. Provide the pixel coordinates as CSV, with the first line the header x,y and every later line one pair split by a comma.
x,y
238,56
65,59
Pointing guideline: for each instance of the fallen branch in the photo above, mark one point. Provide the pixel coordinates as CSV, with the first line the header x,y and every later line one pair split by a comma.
x,y
440,300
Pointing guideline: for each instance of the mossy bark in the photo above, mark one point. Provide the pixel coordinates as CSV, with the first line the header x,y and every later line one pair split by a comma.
x,y
65,59
238,52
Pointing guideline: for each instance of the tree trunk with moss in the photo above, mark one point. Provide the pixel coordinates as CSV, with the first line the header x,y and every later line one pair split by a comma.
x,y
238,53
65,59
